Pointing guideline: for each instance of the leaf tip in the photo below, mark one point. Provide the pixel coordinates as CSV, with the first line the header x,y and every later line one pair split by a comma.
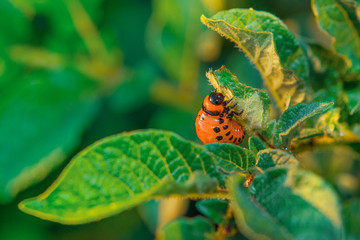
x,y
203,19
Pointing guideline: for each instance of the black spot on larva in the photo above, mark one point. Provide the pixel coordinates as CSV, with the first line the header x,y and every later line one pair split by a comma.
x,y
216,129
219,138
231,137
225,127
240,139
221,115
235,140
202,119
228,133
221,120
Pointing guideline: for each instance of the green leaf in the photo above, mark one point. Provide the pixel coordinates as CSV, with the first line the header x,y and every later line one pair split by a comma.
x,y
353,100
339,23
42,118
289,122
122,171
230,157
268,133
255,145
351,217
286,203
215,209
254,103
268,158
270,46
328,65
183,229
308,133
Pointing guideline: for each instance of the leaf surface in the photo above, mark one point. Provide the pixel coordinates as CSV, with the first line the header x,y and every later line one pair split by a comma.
x,y
334,18
215,209
122,171
255,145
268,206
183,229
268,158
230,157
253,103
270,46
288,125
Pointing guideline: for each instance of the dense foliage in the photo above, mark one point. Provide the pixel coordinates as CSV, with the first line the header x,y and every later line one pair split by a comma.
x,y
83,73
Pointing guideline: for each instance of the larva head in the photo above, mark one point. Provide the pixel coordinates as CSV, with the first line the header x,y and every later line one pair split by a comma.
x,y
213,103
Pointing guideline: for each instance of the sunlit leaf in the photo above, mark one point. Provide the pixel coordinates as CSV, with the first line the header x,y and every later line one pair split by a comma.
x,y
329,123
270,46
288,125
253,103
184,229
215,209
122,171
286,203
42,118
334,19
268,158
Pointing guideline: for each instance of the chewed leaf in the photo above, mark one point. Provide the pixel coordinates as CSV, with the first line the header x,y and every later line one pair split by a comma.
x,y
270,46
253,103
289,122
340,23
268,206
268,158
122,171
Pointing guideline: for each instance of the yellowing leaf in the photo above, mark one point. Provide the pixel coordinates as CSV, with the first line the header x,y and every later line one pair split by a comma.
x,y
270,46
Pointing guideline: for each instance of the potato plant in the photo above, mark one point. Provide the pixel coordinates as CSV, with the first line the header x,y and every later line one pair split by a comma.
x,y
295,176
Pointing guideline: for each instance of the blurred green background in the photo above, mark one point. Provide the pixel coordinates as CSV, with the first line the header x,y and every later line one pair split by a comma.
x,y
75,71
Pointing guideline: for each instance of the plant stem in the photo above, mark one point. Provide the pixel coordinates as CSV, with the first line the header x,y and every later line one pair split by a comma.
x,y
265,141
223,229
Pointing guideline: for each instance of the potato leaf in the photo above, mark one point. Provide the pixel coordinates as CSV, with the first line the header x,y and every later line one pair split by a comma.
x,y
231,158
268,158
256,145
270,46
268,206
122,171
253,103
215,209
289,122
183,229
335,19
